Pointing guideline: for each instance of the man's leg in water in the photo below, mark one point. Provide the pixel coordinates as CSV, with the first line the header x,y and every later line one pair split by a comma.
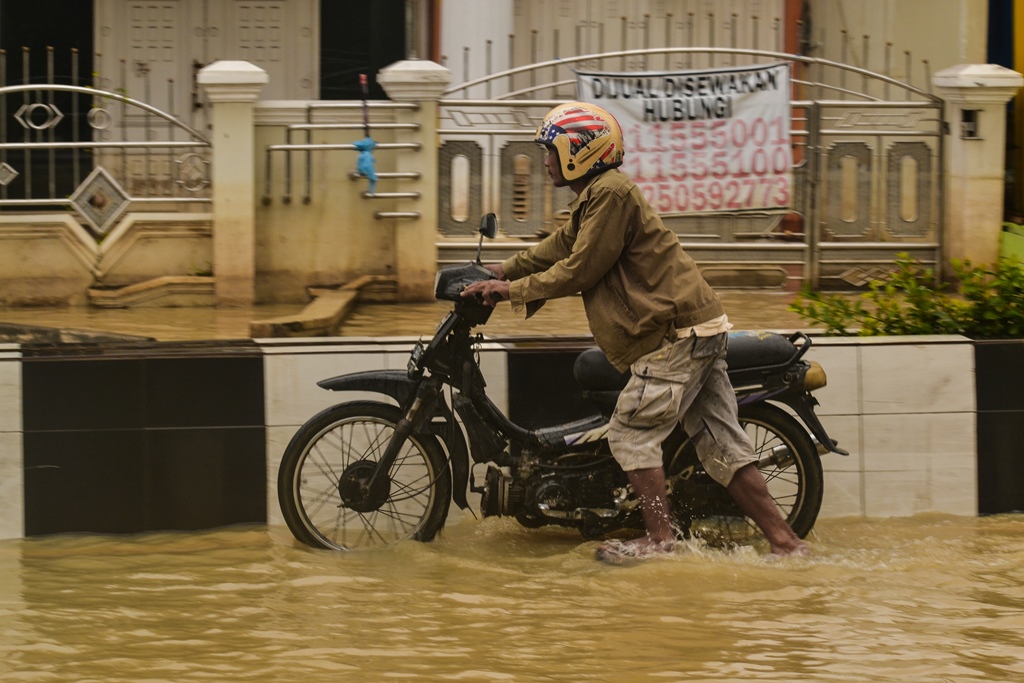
x,y
749,491
747,488
649,485
726,453
648,410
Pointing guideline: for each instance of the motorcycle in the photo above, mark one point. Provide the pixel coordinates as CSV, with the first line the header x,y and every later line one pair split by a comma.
x,y
369,473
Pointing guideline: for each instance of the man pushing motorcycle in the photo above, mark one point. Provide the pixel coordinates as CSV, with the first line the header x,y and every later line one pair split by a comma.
x,y
651,311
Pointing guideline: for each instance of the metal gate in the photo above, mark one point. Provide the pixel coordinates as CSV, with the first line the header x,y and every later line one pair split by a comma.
x,y
867,171
147,158
878,186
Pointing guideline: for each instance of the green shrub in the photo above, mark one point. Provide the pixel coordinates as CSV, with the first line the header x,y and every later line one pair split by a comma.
x,y
988,305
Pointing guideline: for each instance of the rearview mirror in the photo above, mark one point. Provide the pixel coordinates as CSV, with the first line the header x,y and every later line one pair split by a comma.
x,y
489,226
488,229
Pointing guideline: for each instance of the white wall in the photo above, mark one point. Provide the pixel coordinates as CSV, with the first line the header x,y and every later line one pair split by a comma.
x,y
905,409
11,467
542,30
944,32
471,24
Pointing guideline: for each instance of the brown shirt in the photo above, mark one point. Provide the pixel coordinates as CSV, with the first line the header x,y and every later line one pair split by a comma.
x,y
637,282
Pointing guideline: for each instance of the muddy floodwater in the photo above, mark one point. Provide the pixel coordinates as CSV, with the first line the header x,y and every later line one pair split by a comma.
x,y
921,599
925,599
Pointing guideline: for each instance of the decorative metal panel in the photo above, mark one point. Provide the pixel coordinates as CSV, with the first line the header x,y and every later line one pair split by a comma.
x,y
523,185
923,190
100,200
446,224
836,223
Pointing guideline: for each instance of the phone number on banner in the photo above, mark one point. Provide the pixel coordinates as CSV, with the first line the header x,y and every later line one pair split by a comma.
x,y
711,166
731,194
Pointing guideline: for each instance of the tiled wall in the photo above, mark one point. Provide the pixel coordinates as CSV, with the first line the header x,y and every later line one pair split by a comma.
x,y
905,409
11,468
166,438
903,406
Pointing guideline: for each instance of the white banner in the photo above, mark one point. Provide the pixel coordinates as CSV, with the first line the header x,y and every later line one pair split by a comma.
x,y
714,140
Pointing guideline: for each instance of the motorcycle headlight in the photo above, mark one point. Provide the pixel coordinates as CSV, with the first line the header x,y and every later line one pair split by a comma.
x,y
451,280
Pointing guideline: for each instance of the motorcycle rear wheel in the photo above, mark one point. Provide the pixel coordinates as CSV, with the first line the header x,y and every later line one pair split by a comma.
x,y
321,482
789,462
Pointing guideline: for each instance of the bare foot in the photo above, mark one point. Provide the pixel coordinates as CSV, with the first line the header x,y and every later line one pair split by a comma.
x,y
796,549
624,552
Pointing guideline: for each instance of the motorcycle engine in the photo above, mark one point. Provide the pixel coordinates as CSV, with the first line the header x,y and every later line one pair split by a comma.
x,y
547,497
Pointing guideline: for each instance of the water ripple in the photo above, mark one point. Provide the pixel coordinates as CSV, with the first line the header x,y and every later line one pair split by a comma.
x,y
921,599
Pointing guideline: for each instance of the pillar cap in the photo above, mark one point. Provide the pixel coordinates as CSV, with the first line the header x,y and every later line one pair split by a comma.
x,y
981,83
232,81
414,79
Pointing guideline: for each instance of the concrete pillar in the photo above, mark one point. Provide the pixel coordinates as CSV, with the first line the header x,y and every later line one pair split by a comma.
x,y
233,88
421,82
975,158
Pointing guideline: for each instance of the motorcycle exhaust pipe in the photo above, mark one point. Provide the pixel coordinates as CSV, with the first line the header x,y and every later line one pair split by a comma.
x,y
779,456
782,457
577,514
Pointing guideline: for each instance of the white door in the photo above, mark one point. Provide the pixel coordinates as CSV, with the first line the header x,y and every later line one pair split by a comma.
x,y
152,49
279,36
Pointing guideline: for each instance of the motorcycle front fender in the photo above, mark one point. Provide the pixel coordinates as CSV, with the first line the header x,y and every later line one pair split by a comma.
x,y
397,385
393,383
803,404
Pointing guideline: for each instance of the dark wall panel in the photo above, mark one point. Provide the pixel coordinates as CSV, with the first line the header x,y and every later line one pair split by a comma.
x,y
542,391
1000,374
203,478
92,394
160,439
999,377
204,391
1000,462
84,481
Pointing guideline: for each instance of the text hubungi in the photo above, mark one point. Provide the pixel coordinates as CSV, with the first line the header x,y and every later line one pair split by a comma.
x,y
700,141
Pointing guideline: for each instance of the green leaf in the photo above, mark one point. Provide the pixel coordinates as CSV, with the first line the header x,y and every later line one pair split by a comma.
x,y
985,302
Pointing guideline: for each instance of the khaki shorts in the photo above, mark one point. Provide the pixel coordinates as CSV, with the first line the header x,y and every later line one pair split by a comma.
x,y
682,381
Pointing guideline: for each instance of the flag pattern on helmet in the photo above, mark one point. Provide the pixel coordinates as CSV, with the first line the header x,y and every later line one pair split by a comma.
x,y
579,125
588,138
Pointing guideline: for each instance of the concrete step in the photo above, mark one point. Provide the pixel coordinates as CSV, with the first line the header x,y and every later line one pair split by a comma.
x,y
321,316
166,291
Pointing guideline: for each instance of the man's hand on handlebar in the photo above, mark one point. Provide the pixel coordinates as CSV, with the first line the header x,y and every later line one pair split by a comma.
x,y
488,291
496,268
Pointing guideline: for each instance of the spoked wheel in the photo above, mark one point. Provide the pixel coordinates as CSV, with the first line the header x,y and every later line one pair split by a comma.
x,y
787,458
328,493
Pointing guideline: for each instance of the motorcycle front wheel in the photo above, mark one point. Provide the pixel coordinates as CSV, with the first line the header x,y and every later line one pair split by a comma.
x,y
324,484
786,457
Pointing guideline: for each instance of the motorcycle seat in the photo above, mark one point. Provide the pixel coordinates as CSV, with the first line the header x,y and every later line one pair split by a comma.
x,y
746,350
